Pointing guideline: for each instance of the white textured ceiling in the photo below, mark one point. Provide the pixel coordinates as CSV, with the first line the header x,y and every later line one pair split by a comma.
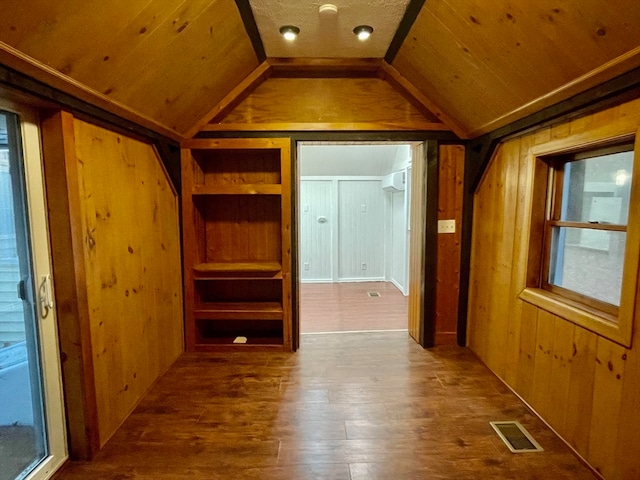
x,y
352,160
328,35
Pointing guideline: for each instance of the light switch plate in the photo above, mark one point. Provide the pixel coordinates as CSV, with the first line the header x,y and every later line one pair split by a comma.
x,y
446,226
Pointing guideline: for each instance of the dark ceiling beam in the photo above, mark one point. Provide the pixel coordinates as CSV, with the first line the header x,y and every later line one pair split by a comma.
x,y
250,25
410,15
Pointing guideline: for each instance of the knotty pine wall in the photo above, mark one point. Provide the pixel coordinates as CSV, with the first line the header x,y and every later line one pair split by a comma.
x,y
585,386
125,248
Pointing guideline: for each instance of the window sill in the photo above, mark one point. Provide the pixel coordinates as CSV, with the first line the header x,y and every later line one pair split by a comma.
x,y
599,323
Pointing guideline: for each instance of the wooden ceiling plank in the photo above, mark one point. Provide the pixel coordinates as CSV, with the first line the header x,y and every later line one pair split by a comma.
x,y
65,38
16,27
513,55
233,98
20,62
612,69
153,54
326,126
208,59
130,49
408,19
490,51
404,86
510,35
467,68
437,72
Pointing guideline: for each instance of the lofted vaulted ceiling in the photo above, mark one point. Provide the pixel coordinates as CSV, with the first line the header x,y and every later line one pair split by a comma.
x,y
175,65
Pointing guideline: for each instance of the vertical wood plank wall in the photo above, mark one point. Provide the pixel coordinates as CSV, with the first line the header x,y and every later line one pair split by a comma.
x,y
450,182
417,242
130,246
585,386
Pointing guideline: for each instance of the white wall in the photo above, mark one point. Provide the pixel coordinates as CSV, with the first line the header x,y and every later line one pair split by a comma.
x,y
399,202
398,250
361,216
349,245
316,238
338,182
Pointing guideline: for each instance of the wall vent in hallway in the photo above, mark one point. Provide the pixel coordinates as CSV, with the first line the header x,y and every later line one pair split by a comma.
x,y
373,294
516,437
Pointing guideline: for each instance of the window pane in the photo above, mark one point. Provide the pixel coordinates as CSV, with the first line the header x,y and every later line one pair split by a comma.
x,y
588,262
597,189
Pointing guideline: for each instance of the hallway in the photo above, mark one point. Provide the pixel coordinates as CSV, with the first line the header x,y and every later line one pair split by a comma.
x,y
360,406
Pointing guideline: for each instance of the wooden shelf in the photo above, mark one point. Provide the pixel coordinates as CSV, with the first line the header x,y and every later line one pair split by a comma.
x,y
260,269
236,207
225,344
238,189
240,311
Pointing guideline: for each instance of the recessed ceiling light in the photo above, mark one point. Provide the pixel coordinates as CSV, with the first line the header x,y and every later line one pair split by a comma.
x,y
363,31
289,32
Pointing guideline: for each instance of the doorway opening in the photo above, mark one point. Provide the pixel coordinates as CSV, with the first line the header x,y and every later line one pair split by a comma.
x,y
353,224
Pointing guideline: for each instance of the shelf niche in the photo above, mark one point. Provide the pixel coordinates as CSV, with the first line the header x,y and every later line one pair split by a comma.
x,y
237,211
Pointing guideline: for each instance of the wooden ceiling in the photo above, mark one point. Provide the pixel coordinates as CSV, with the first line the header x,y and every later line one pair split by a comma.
x,y
174,65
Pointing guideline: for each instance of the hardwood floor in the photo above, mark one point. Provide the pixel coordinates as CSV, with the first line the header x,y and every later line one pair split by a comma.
x,y
346,406
340,307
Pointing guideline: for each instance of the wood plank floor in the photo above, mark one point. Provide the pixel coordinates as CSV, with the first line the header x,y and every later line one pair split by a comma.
x,y
340,307
346,406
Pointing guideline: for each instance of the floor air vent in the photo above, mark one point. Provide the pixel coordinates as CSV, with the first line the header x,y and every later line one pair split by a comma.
x,y
516,437
373,294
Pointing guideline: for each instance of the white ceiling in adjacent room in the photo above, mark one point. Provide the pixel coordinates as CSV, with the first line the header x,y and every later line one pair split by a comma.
x,y
351,160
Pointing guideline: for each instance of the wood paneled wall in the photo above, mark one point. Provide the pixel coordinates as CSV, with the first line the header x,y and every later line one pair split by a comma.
x,y
585,386
111,196
325,104
450,187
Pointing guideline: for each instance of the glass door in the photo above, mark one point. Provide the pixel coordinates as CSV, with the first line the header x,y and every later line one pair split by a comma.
x,y
32,438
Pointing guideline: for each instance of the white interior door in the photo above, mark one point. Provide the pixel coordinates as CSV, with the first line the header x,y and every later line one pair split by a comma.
x,y
361,237
316,230
32,432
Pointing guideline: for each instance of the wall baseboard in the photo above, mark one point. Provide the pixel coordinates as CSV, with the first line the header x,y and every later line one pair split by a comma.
x,y
399,287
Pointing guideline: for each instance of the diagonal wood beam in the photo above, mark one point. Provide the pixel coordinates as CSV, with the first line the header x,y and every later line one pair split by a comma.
x,y
233,98
404,86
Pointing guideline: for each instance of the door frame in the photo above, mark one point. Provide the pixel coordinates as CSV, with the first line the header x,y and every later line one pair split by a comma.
x,y
431,140
39,243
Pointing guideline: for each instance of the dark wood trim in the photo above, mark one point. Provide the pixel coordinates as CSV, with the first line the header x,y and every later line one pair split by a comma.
x,y
473,153
410,15
430,247
340,136
295,270
250,25
49,97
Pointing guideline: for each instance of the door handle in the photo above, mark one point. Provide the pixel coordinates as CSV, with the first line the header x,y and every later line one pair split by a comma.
x,y
45,296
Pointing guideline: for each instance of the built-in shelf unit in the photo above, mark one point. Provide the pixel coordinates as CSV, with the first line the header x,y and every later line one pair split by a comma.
x,y
236,207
